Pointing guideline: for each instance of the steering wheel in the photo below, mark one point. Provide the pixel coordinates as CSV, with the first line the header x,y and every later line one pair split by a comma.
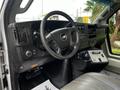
x,y
61,38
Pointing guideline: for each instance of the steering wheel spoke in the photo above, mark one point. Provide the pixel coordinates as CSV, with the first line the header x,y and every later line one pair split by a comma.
x,y
59,51
49,37
72,33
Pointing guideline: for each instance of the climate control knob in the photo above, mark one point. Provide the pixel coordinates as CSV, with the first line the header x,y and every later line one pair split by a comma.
x,y
28,53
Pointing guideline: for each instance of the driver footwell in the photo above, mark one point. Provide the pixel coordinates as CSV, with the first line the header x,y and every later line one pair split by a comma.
x,y
29,80
58,73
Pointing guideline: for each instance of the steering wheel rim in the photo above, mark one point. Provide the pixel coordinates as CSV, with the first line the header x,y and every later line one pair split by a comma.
x,y
43,38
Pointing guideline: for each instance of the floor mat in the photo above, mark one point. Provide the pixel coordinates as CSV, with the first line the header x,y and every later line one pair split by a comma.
x,y
47,85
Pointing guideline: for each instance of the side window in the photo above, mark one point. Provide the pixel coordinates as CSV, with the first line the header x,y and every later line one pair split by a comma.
x,y
114,33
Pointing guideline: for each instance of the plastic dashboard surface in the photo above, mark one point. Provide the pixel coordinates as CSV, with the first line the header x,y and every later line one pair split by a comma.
x,y
29,46
29,32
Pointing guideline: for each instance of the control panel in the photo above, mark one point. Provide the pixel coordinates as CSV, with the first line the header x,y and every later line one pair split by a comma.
x,y
89,61
24,41
97,56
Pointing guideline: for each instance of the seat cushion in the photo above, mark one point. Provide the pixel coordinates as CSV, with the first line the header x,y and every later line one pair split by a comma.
x,y
93,81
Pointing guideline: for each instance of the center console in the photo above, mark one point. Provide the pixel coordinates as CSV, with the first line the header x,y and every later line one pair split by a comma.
x,y
88,61
97,56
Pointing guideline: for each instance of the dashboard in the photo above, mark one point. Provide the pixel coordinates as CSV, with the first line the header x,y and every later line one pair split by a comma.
x,y
30,49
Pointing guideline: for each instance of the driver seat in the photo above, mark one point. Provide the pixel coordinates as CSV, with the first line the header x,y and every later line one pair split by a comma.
x,y
93,81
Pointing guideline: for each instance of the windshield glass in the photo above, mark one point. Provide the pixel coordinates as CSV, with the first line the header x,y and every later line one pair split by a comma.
x,y
85,11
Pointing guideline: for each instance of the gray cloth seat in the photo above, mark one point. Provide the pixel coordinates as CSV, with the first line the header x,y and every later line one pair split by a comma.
x,y
93,81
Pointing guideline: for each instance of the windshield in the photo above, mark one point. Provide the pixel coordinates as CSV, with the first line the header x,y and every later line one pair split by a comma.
x,y
85,11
